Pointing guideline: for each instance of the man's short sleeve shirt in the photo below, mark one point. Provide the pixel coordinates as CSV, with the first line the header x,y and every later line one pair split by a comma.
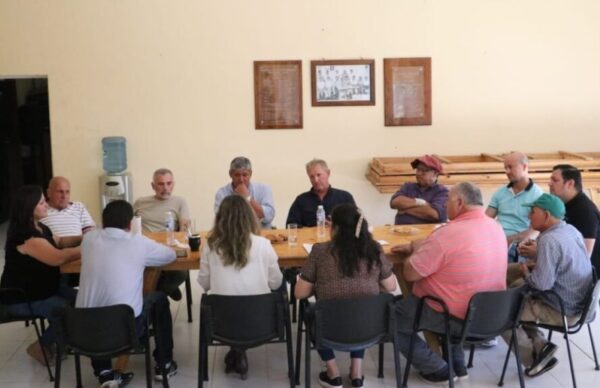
x,y
512,215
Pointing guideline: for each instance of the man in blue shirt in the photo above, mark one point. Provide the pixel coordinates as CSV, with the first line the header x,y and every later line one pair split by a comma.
x,y
258,195
423,201
506,203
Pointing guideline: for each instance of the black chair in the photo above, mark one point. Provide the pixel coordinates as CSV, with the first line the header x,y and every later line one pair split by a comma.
x,y
5,317
587,316
344,324
244,322
101,332
489,315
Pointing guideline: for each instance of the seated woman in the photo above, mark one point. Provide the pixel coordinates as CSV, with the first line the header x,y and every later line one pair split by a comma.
x,y
32,265
236,261
351,265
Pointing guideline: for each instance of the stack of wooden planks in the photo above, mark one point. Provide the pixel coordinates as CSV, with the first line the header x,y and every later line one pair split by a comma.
x,y
387,173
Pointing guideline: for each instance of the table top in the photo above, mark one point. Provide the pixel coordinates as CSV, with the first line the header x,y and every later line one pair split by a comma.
x,y
289,256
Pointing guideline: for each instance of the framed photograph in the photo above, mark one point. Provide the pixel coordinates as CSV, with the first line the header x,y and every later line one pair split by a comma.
x,y
407,91
278,94
343,82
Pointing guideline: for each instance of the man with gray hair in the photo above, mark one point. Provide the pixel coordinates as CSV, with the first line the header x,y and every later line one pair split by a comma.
x,y
258,195
153,209
304,209
470,242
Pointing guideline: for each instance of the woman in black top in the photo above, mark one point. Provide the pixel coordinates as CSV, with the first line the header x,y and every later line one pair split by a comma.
x,y
32,264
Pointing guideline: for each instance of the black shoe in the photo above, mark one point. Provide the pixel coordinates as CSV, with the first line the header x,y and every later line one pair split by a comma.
x,y
544,357
357,383
170,370
549,365
441,377
230,361
176,295
327,382
115,379
241,365
461,372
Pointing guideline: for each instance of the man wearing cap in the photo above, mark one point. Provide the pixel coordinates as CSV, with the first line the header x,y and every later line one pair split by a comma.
x,y
560,265
258,195
423,202
506,202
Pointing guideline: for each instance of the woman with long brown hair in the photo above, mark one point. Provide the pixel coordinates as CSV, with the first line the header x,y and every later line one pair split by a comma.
x,y
237,261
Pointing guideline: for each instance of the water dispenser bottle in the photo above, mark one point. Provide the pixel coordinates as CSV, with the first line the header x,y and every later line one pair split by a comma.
x,y
114,160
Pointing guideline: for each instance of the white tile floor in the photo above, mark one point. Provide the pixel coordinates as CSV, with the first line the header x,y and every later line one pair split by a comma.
x,y
268,366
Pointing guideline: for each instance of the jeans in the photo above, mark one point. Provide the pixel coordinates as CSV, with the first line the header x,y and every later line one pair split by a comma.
x,y
156,306
327,354
424,358
64,296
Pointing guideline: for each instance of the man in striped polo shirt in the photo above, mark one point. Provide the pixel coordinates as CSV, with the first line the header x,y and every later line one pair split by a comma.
x,y
456,261
561,264
66,218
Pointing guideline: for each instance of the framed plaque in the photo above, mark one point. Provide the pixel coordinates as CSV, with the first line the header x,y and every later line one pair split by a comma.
x,y
343,82
278,94
407,91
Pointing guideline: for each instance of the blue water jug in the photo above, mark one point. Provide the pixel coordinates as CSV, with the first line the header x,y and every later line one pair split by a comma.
x,y
114,160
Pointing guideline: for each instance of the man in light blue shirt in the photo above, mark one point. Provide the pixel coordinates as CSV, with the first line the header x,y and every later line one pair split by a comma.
x,y
506,203
258,195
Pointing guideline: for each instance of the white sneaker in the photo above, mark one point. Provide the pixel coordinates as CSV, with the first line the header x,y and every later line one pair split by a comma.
x,y
489,343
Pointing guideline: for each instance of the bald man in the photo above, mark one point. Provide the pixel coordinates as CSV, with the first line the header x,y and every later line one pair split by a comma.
x,y
66,218
506,203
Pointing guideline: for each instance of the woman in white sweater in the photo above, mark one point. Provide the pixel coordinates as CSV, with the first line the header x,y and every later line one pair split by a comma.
x,y
237,261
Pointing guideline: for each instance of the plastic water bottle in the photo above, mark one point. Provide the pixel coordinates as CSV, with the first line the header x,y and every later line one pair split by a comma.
x,y
114,159
170,228
320,222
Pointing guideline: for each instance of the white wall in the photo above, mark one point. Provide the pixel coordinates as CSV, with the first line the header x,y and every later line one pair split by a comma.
x,y
176,79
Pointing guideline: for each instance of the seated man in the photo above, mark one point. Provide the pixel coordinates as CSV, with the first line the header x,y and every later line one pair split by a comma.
x,y
304,209
423,202
561,265
153,211
505,204
66,218
476,245
258,195
112,272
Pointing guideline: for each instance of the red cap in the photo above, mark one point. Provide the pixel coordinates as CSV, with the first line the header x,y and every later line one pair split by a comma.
x,y
428,161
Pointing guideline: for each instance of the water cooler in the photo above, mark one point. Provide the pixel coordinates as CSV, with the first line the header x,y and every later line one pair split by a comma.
x,y
116,183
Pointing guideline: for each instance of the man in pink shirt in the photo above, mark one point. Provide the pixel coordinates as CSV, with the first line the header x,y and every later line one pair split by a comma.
x,y
464,257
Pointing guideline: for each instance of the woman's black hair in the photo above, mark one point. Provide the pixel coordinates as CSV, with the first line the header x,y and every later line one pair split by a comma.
x,y
347,248
23,205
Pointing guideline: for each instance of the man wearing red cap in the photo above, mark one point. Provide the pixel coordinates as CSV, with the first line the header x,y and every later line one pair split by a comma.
x,y
423,202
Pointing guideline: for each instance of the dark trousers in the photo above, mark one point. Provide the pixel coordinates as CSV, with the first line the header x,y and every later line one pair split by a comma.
x,y
156,306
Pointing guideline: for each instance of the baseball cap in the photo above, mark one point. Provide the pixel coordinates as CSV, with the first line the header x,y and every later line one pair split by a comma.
x,y
428,161
551,203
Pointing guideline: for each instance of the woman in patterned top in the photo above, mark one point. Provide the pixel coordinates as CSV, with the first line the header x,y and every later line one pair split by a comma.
x,y
351,265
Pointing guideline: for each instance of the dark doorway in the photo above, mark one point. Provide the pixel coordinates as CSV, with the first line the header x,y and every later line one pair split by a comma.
x,y
25,150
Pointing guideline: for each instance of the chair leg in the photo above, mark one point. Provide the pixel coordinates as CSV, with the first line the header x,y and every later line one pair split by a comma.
x,y
148,361
306,358
450,359
188,296
408,359
78,371
380,367
290,350
299,346
515,342
569,353
38,334
397,369
57,369
593,346
201,356
549,335
510,345
471,355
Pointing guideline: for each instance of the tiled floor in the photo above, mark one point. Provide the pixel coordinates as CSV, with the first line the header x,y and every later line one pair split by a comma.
x,y
268,367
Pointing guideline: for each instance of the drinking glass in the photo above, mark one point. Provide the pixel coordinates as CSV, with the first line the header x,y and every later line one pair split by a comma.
x,y
292,230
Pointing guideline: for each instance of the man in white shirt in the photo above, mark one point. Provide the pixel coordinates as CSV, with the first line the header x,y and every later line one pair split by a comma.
x,y
112,272
66,218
